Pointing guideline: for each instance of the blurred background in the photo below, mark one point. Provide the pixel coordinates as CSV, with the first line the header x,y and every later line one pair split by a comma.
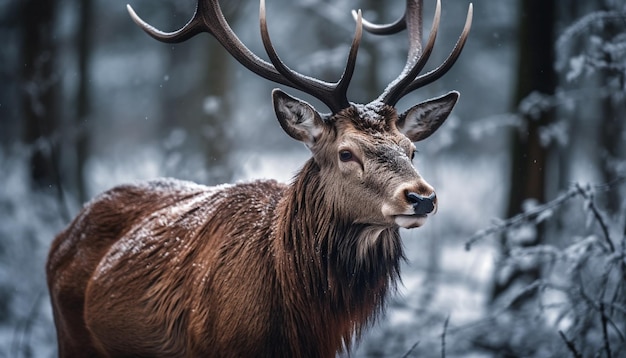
x,y
526,255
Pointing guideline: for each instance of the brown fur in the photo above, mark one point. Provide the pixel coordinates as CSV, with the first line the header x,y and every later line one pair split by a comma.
x,y
173,269
172,277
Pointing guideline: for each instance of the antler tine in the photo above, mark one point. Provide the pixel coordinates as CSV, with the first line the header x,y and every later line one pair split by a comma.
x,y
415,60
386,29
408,80
191,29
438,72
346,77
209,18
334,95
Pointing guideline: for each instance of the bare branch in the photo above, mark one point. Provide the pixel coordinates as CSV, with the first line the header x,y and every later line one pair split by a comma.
x,y
570,346
443,337
519,219
605,335
411,349
588,195
536,212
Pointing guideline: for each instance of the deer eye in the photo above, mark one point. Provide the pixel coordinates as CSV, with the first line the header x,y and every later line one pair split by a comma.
x,y
345,155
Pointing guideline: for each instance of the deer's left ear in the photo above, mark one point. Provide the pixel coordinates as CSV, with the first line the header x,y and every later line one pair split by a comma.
x,y
422,120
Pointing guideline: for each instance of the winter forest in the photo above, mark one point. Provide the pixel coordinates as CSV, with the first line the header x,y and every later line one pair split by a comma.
x,y
526,256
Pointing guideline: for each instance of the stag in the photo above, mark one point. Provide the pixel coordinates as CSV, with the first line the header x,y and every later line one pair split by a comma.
x,y
168,268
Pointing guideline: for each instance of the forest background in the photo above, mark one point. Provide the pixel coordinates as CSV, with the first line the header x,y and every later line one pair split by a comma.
x,y
526,255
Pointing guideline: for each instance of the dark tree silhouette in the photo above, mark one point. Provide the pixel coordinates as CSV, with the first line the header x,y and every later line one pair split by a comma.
x,y
203,109
39,86
529,156
84,39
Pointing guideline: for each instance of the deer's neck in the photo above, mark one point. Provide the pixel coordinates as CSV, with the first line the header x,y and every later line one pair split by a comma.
x,y
340,269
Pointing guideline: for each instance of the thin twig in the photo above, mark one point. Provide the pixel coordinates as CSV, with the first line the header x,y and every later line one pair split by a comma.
x,y
535,212
443,337
570,346
605,333
22,333
411,349
599,306
596,213
521,218
623,255
60,192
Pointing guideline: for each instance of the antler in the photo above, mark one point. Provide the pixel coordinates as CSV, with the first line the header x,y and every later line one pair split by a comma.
x,y
408,80
208,17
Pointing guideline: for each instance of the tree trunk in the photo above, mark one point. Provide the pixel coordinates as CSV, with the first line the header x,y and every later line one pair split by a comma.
x,y
203,110
83,101
529,156
217,87
39,88
613,111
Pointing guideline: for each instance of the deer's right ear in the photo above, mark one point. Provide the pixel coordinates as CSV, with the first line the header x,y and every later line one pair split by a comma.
x,y
298,118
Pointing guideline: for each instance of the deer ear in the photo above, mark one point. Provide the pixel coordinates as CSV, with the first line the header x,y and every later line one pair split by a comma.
x,y
422,120
297,118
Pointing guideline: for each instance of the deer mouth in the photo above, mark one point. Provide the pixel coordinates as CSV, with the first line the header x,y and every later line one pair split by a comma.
x,y
410,221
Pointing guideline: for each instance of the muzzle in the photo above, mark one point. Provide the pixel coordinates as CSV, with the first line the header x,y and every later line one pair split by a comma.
x,y
422,205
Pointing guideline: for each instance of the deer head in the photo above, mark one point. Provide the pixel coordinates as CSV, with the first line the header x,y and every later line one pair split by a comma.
x,y
364,151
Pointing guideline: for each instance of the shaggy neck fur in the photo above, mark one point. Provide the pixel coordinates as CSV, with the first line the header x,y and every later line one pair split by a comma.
x,y
339,271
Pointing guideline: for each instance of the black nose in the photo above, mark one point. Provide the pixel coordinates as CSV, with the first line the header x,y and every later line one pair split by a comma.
x,y
422,204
